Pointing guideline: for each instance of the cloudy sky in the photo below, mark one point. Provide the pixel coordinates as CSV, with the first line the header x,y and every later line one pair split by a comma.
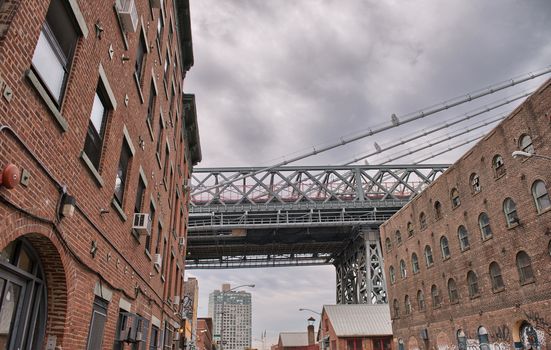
x,y
275,78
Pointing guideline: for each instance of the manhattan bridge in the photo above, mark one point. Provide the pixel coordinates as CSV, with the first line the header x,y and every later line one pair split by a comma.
x,y
286,215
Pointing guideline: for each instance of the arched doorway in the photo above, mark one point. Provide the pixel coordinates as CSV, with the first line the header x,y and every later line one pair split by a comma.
x,y
529,337
22,297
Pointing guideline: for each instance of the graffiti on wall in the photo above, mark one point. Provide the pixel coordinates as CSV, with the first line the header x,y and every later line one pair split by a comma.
x,y
501,333
538,321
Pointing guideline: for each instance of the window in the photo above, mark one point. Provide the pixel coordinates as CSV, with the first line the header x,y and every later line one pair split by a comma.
x,y
140,58
525,144
455,198
392,274
461,339
435,294
483,338
93,143
437,210
495,275
121,326
388,244
396,308
120,180
414,263
463,236
428,256
407,303
167,161
55,48
444,247
354,344
420,300
403,272
541,197
410,229
452,291
148,237
165,68
510,211
475,183
169,335
97,324
160,138
160,28
498,165
472,281
524,266
484,224
423,221
155,338
398,237
151,103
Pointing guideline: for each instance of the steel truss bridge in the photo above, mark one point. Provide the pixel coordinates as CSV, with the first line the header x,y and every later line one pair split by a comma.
x,y
297,216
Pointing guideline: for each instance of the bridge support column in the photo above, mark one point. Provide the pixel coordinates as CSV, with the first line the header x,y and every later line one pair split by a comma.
x,y
360,272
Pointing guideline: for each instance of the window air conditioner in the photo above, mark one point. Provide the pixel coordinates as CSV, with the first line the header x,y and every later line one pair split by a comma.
x,y
142,223
127,330
176,300
156,3
177,335
128,15
157,260
182,241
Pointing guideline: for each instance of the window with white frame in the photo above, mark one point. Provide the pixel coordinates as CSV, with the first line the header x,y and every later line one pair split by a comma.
x,y
498,165
414,263
525,144
472,282
444,247
541,197
495,276
403,271
484,224
510,211
463,236
453,294
428,256
524,266
475,183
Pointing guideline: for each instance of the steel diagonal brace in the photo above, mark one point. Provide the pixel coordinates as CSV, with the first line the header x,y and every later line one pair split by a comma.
x,y
345,182
231,184
268,190
322,187
401,181
293,185
378,184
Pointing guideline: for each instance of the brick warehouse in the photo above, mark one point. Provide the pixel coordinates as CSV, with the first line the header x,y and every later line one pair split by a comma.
x,y
468,260
98,142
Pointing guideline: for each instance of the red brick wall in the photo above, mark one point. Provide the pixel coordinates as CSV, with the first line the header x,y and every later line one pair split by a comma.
x,y
500,312
64,244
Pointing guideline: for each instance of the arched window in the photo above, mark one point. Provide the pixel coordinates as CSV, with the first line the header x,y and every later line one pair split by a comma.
x,y
455,198
414,263
410,229
525,144
388,244
392,274
435,294
396,308
484,224
461,340
463,236
541,197
421,300
398,237
403,272
524,266
498,165
428,255
472,281
483,338
423,221
510,211
407,303
401,344
444,247
437,210
495,276
474,180
452,291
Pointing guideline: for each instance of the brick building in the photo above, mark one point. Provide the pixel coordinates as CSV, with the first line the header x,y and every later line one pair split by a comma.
x,y
102,140
468,260
205,339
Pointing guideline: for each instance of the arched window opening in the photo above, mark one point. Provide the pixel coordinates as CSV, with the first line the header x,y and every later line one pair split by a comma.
x,y
407,303
498,165
541,197
524,267
510,211
483,338
437,210
411,232
414,263
388,244
403,272
475,183
472,281
444,247
463,236
525,144
428,256
423,221
421,300
398,237
495,275
435,294
396,308
461,340
455,198
452,291
484,225
392,274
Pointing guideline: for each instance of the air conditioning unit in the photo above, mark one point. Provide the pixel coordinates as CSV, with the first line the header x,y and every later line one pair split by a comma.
x,y
176,335
176,300
128,15
182,241
127,330
142,223
156,3
157,260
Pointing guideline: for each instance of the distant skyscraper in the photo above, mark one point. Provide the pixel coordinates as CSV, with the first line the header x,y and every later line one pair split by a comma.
x,y
231,312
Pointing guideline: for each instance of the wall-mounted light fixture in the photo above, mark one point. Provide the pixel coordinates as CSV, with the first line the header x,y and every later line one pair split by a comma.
x,y
68,205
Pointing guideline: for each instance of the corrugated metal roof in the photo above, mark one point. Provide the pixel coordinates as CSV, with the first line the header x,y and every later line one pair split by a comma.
x,y
356,320
294,338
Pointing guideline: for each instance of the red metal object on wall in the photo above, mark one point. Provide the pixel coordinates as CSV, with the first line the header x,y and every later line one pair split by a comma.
x,y
10,176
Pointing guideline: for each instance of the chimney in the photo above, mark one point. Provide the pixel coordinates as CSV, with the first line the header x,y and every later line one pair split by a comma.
x,y
310,328
225,287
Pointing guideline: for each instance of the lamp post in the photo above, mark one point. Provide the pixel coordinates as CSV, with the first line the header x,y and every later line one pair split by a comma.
x,y
304,309
517,154
223,294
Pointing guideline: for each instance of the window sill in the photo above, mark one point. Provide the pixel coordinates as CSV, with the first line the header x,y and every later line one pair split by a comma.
x,y
474,296
544,211
437,307
119,210
163,278
158,156
476,192
465,249
454,302
498,290
150,129
430,266
135,235
165,183
457,206
92,169
37,85
533,280
512,226
446,258
148,254
157,268
139,87
497,177
484,239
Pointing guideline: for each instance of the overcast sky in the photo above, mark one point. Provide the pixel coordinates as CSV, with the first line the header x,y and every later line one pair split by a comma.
x,y
274,78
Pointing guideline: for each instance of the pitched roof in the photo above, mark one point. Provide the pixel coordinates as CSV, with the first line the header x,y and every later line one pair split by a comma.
x,y
294,338
352,320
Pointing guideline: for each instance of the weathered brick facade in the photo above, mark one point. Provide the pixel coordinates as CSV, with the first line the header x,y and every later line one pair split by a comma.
x,y
501,298
95,256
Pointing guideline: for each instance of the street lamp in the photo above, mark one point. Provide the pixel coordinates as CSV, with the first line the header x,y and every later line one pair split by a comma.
x,y
224,311
517,154
304,309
